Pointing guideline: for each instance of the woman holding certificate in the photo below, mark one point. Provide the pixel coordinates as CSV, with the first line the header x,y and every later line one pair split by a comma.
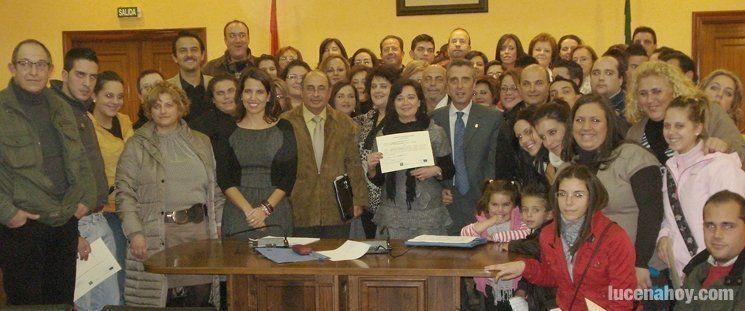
x,y
412,203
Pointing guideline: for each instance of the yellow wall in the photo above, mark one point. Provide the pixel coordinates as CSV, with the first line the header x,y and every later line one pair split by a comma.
x,y
358,23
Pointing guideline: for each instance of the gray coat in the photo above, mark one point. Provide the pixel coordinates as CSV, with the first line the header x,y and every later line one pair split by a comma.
x,y
140,191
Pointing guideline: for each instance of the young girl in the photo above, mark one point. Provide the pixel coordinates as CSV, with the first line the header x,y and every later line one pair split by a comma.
x,y
498,220
690,179
582,252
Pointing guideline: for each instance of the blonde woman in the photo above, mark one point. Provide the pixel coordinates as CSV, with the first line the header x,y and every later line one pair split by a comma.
x,y
652,88
725,88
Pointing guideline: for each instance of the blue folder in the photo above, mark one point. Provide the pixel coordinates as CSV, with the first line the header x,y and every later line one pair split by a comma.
x,y
285,255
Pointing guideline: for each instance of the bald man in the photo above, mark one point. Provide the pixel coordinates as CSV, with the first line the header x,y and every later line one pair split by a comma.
x,y
434,87
534,85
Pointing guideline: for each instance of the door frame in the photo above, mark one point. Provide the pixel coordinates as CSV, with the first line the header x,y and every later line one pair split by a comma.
x,y
710,17
68,37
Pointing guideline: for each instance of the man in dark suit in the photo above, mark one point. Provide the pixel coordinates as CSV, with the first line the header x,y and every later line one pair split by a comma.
x,y
472,130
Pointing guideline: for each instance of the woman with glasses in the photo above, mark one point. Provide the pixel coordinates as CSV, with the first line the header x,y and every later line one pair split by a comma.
x,y
364,57
286,55
583,253
629,172
293,74
584,56
494,69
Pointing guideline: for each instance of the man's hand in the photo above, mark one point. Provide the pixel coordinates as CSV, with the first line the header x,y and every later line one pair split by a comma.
x,y
84,248
21,218
447,196
423,173
81,210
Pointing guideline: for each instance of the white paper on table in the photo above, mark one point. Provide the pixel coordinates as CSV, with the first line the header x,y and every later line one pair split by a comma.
x,y
591,306
100,265
519,304
443,239
297,241
404,151
350,250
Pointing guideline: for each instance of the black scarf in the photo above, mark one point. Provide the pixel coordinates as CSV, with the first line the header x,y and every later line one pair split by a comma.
x,y
394,127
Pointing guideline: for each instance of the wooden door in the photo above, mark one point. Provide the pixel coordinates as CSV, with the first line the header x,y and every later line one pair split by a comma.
x,y
128,52
719,41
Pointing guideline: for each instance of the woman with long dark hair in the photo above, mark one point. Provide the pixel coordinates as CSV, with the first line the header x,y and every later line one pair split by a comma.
x,y
256,180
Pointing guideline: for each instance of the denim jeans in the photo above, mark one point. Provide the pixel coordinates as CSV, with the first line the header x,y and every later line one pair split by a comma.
x,y
121,248
93,227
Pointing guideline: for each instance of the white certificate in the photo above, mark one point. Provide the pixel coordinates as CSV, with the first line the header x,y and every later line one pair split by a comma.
x,y
100,265
405,150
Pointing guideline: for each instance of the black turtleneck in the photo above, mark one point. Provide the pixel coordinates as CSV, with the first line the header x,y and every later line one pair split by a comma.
x,y
656,140
36,109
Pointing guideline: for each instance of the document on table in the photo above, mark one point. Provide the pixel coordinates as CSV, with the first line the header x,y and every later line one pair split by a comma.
x,y
404,151
297,241
350,250
100,265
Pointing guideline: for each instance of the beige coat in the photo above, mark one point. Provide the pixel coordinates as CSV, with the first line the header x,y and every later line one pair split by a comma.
x,y
140,189
313,199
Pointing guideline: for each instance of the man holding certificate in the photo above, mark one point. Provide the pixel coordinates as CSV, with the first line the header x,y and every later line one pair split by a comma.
x,y
472,132
411,159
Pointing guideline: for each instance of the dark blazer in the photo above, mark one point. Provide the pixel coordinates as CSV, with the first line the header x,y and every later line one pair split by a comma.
x,y
480,142
313,200
480,138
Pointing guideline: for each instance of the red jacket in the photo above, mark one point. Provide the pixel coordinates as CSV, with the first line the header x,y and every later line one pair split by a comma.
x,y
613,265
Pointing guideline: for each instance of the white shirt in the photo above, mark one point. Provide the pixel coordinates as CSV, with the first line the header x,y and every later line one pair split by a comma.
x,y
443,102
713,262
453,117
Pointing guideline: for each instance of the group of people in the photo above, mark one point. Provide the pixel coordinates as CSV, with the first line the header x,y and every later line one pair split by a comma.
x,y
602,169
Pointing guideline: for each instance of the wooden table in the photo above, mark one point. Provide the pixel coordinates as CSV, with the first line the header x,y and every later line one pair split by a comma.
x,y
423,278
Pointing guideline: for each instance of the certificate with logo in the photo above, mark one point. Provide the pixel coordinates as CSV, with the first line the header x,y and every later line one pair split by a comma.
x,y
404,151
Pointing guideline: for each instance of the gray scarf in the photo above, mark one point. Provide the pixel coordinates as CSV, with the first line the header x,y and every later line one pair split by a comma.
x,y
570,231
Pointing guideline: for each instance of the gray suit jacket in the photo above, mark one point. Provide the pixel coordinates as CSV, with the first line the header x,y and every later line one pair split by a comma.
x,y
480,143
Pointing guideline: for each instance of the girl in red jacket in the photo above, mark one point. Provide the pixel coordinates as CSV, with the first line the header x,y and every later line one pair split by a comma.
x,y
583,253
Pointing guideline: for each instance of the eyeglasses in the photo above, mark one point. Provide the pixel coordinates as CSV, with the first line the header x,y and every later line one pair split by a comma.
x,y
295,77
287,58
26,64
508,89
577,195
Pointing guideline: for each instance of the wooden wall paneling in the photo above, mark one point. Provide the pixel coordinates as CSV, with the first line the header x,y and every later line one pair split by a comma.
x,y
128,52
718,41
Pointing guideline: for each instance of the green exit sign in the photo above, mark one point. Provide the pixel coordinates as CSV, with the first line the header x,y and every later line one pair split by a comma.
x,y
131,11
